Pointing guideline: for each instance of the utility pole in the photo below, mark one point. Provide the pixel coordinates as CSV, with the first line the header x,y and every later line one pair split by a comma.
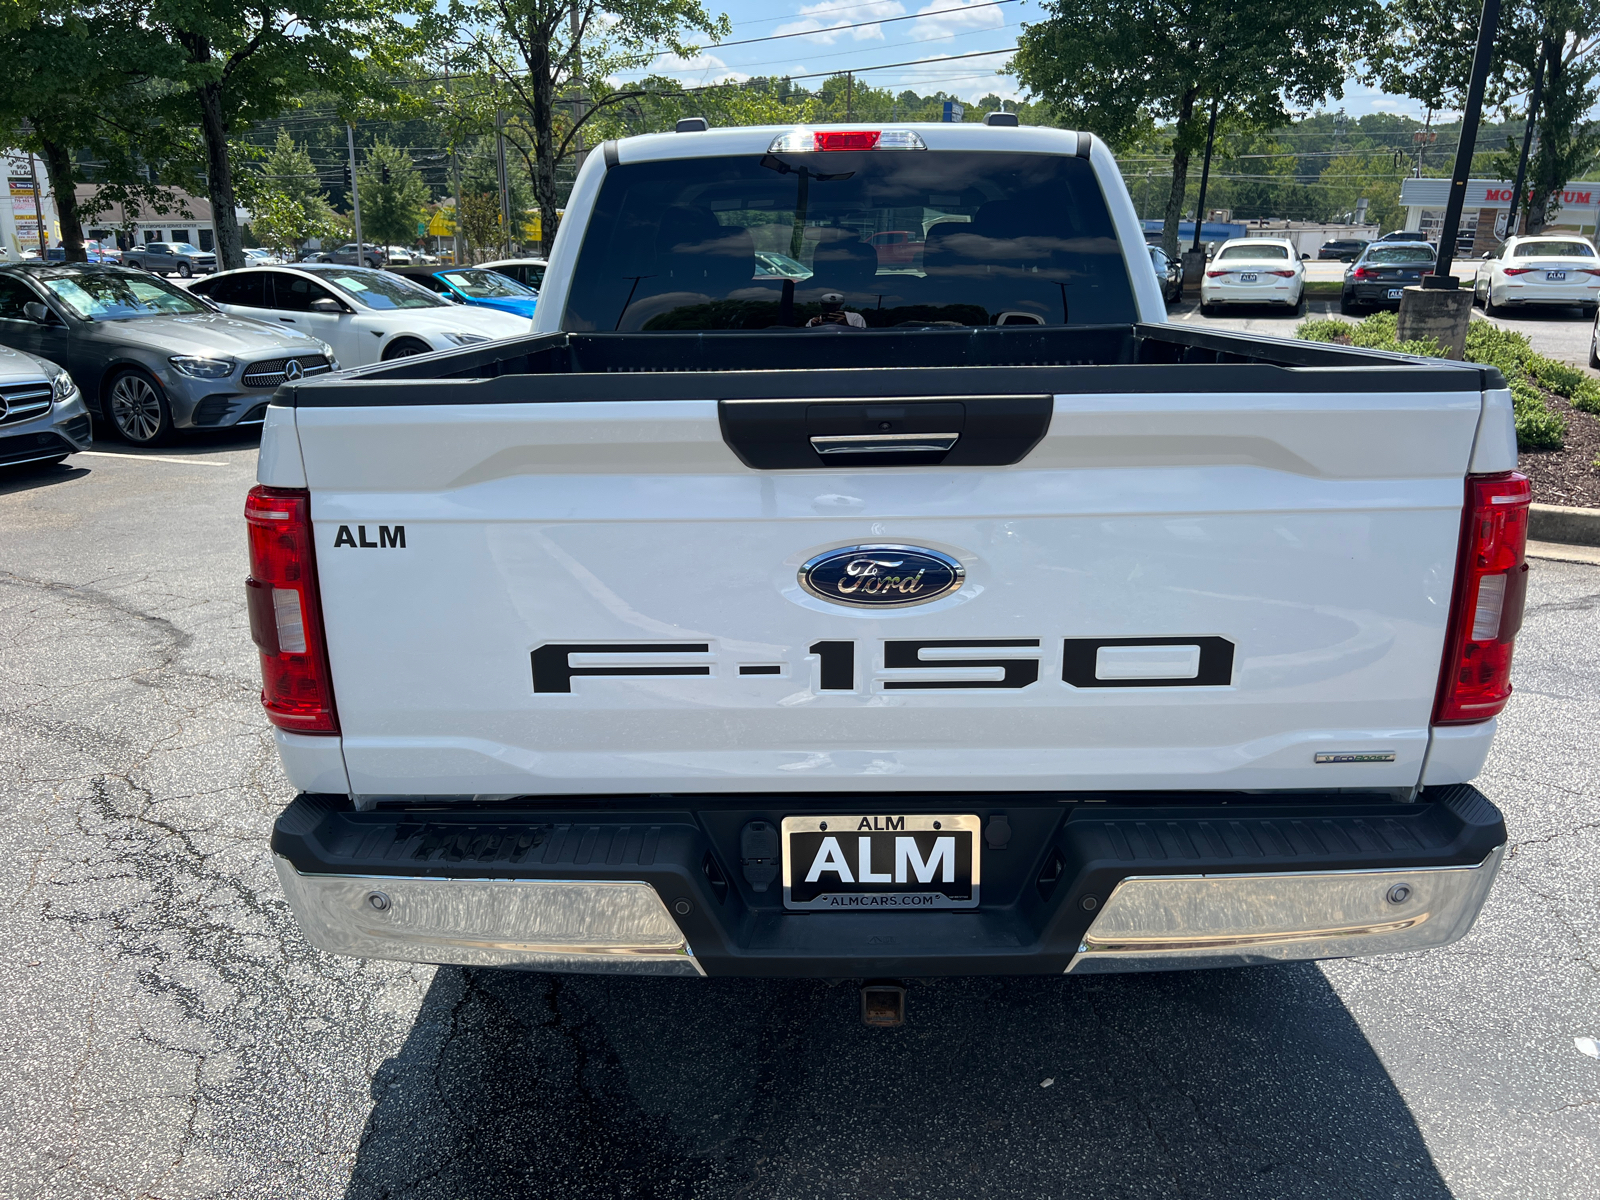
x,y
578,108
505,181
849,95
355,192
455,180
1514,217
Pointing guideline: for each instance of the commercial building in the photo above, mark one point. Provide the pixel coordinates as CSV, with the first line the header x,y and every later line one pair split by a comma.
x,y
1485,209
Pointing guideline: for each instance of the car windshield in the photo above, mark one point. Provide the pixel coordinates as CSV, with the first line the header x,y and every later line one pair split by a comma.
x,y
487,285
379,290
1399,255
185,248
1259,253
1555,249
112,296
787,240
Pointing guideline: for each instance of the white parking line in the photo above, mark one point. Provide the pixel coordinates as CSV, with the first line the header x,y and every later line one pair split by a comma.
x,y
192,462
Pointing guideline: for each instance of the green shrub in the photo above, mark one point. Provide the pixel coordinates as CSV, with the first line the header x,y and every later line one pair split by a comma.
x,y
1496,347
1380,331
1323,330
1537,427
1558,377
1587,397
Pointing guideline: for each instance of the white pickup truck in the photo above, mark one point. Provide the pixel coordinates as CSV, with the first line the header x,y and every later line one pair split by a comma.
x,y
855,575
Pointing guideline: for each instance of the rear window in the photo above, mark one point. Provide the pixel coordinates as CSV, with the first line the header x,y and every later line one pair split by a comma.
x,y
1554,249
1265,250
1399,255
756,242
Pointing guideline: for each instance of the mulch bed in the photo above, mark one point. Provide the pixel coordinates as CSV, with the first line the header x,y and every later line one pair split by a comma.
x,y
1567,476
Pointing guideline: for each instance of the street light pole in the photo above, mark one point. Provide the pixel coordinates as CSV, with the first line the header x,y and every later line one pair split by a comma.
x,y
1205,175
1488,23
1514,217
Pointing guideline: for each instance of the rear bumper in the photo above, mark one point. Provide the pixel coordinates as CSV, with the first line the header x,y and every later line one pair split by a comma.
x,y
1079,886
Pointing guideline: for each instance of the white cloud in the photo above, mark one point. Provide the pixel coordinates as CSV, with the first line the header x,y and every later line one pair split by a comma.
x,y
954,16
825,22
699,71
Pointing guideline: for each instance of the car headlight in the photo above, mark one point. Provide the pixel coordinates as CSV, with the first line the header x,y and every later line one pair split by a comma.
x,y
62,388
202,368
464,339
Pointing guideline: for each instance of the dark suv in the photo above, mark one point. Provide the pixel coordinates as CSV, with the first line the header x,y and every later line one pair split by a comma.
x,y
1342,249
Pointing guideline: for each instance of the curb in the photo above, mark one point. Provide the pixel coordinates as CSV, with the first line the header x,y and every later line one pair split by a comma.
x,y
1556,523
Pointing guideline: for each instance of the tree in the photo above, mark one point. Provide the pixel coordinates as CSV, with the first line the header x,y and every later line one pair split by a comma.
x,y
480,220
1426,53
1116,67
236,63
393,196
287,207
542,52
77,82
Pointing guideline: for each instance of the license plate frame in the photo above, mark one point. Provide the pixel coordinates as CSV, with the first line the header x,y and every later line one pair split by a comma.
x,y
804,847
1396,293
1247,276
1555,276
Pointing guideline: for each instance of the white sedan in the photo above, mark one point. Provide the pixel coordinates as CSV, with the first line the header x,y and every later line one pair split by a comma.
x,y
1557,270
1253,271
367,316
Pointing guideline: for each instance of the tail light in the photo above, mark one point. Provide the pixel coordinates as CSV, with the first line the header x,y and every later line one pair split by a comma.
x,y
1517,270
1364,273
286,613
1486,612
1217,274
803,141
1590,270
1285,274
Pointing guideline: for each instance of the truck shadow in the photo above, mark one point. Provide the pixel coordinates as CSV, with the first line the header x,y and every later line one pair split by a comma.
x,y
1229,1084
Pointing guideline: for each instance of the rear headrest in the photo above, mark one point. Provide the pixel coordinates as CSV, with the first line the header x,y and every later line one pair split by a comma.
x,y
683,225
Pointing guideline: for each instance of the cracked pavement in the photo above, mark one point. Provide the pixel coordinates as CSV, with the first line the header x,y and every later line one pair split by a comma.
x,y
166,1032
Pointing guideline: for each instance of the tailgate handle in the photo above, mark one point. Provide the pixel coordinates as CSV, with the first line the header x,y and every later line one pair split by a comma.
x,y
884,443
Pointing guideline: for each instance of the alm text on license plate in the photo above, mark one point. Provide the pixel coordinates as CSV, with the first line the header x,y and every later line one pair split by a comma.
x,y
881,863
1395,293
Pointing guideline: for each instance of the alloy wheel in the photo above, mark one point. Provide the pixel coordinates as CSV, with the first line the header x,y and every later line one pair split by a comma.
x,y
136,408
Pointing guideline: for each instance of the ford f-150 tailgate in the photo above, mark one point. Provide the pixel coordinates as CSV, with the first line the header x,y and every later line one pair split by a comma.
x,y
1194,576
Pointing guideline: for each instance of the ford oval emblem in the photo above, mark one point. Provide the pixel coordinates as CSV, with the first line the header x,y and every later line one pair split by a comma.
x,y
881,576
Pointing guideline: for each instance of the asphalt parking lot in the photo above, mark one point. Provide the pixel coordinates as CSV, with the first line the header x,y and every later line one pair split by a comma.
x,y
168,1034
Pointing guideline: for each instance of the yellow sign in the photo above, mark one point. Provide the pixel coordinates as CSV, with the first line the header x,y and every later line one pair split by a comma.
x,y
442,225
533,229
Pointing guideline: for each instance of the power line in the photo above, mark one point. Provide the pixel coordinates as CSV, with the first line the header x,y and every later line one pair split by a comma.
x,y
920,16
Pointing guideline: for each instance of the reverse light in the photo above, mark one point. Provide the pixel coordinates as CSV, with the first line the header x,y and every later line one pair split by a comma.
x,y
805,141
286,611
1486,611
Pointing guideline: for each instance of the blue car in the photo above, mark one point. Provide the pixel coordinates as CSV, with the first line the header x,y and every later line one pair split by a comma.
x,y
474,285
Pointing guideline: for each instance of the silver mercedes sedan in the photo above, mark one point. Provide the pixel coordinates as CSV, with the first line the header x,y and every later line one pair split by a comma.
x,y
42,417
149,357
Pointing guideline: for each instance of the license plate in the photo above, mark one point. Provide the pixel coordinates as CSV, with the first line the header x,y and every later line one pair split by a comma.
x,y
1555,276
1247,276
1396,293
879,863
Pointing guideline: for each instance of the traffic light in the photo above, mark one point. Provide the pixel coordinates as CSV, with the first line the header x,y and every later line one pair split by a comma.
x,y
384,173
347,175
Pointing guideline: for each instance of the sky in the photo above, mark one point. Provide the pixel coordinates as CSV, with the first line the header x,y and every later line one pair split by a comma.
x,y
828,36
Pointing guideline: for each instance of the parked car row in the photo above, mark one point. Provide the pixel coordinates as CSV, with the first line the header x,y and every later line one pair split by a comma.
x,y
149,357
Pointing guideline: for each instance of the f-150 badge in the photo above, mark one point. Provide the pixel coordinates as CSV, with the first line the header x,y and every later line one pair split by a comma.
x,y
881,576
